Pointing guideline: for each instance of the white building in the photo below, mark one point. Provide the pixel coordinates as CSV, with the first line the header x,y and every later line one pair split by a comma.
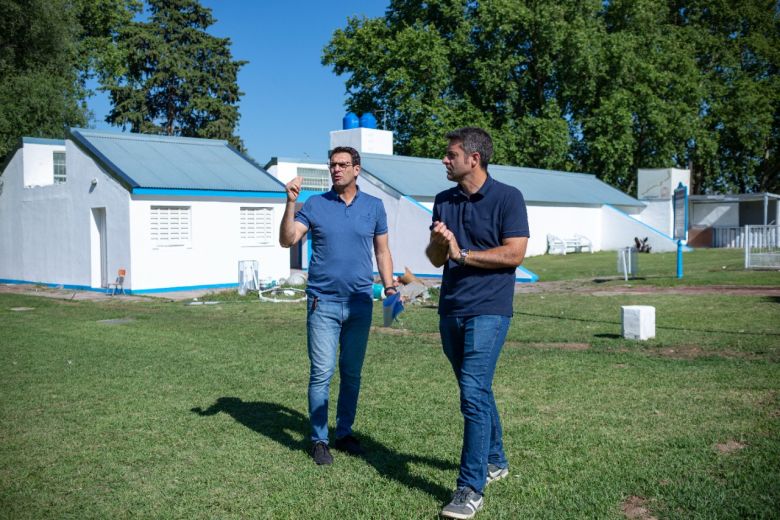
x,y
559,203
175,213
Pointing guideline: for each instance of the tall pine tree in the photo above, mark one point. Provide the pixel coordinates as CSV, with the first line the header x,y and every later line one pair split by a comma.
x,y
177,79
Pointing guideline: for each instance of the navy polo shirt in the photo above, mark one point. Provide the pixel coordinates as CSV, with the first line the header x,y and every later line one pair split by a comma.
x,y
342,242
480,221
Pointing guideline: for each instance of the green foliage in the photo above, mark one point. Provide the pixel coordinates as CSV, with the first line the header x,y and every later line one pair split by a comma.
x,y
176,79
48,49
605,87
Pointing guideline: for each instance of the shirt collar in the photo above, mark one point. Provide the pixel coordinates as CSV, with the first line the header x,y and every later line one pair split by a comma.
x,y
332,195
483,190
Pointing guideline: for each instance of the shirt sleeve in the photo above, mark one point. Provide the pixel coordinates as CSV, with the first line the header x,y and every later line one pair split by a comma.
x,y
381,220
515,217
304,214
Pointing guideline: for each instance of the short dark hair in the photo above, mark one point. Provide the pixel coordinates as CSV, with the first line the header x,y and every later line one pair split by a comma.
x,y
474,140
347,149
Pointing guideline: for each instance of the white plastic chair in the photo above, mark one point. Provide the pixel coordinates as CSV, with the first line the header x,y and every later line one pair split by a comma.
x,y
555,246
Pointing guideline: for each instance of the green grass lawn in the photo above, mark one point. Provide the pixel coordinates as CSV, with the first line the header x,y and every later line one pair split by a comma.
x,y
700,267
180,411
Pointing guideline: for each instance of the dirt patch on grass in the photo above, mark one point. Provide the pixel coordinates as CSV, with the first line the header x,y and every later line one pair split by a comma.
x,y
729,446
696,352
404,332
548,346
636,508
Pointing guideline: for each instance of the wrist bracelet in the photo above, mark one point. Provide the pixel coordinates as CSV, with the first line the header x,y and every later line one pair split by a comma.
x,y
390,287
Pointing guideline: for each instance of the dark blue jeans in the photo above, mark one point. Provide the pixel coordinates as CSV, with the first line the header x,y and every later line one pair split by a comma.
x,y
329,325
472,344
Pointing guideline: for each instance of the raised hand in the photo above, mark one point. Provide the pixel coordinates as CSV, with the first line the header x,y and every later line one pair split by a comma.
x,y
293,189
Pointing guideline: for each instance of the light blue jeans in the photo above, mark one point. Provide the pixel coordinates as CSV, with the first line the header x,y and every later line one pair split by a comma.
x,y
472,345
328,325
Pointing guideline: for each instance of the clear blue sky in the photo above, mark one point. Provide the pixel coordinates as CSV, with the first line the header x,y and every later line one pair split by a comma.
x,y
291,102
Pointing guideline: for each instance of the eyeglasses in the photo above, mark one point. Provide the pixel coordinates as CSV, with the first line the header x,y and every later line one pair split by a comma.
x,y
341,165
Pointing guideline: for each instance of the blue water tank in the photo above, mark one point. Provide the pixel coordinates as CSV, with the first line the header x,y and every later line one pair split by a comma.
x,y
350,121
368,120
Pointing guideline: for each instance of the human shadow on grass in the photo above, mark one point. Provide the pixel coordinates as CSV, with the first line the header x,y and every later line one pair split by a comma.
x,y
285,426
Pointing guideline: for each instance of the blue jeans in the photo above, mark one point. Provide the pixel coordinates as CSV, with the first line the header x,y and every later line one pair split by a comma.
x,y
472,344
327,326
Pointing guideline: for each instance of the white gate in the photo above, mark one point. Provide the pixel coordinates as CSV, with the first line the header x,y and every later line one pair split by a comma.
x,y
762,247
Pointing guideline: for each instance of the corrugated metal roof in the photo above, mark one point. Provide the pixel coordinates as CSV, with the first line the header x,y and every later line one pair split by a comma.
x,y
419,177
164,162
43,140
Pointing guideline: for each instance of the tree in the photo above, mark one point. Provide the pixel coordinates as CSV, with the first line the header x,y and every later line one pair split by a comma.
x,y
48,48
177,79
604,87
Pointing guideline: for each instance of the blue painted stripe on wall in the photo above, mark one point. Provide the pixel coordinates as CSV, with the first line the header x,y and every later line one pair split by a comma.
x,y
533,275
414,201
128,291
187,288
685,248
54,285
209,193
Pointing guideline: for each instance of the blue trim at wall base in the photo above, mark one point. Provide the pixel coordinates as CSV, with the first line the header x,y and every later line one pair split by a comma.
x,y
128,291
187,288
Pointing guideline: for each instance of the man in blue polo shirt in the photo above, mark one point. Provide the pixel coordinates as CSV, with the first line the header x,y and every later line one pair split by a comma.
x,y
479,234
345,225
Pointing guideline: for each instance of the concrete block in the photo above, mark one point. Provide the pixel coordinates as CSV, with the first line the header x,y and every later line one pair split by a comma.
x,y
638,321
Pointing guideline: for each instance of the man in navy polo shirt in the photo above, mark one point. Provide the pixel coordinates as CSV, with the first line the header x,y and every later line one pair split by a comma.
x,y
479,234
345,225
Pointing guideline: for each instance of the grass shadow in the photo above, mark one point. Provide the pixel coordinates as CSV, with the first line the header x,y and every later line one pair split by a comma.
x,y
278,422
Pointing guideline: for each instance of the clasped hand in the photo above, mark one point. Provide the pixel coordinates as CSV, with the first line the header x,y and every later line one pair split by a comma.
x,y
442,237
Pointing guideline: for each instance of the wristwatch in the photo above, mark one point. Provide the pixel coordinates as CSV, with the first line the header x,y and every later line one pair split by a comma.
x,y
464,253
390,287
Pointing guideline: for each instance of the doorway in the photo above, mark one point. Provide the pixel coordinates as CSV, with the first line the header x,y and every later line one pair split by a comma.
x,y
99,248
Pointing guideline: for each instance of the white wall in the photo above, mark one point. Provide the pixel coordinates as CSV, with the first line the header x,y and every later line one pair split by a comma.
x,y
48,238
564,222
660,183
715,214
39,163
364,140
619,230
285,171
659,214
215,249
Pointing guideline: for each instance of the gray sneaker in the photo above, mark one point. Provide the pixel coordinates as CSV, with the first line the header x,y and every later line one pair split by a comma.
x,y
465,504
496,473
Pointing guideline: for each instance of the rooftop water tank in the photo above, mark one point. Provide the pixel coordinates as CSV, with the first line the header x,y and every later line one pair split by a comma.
x,y
350,121
368,120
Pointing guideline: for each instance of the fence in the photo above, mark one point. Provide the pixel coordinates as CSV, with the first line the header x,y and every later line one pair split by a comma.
x,y
762,247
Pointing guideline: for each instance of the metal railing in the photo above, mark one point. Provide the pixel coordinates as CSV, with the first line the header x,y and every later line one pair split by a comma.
x,y
762,247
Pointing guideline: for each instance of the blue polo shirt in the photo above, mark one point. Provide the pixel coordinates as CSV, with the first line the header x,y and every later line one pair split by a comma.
x,y
480,221
342,242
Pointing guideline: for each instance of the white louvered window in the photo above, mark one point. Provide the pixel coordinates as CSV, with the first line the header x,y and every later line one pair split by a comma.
x,y
171,226
257,226
60,175
314,179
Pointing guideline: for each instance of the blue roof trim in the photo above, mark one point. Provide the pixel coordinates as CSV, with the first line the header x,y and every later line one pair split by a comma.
x,y
175,192
43,140
77,136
